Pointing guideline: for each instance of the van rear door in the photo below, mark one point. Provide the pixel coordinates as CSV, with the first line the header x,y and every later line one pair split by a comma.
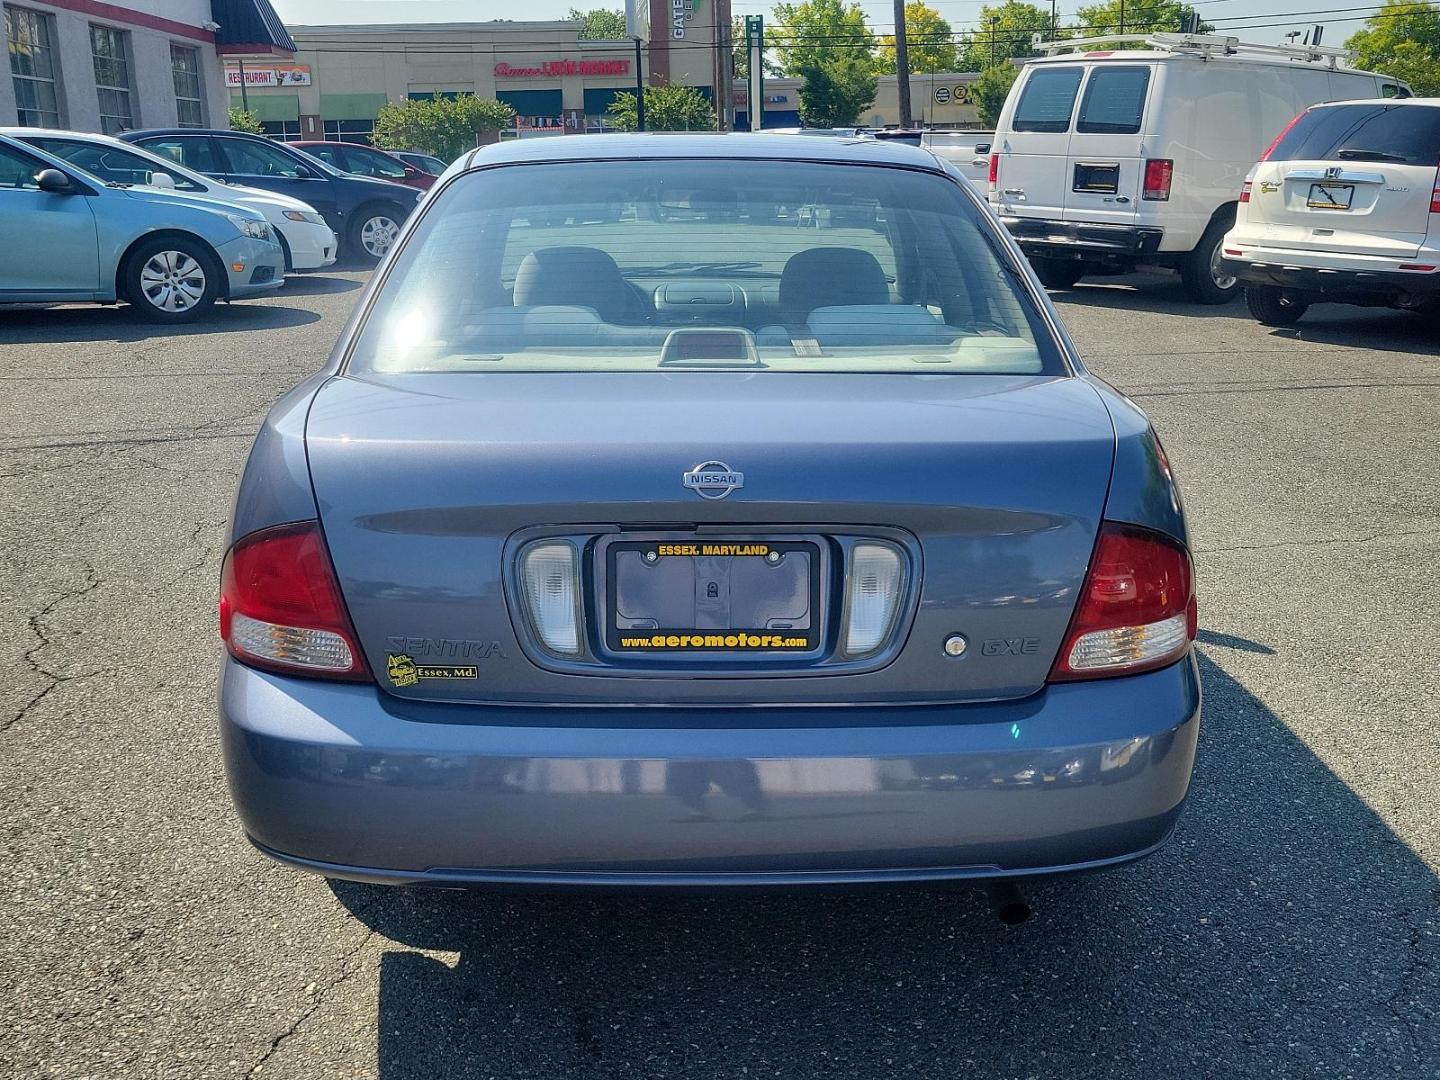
x,y
1351,177
1104,174
1034,142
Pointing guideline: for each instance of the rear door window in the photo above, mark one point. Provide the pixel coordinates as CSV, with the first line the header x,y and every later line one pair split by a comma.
x,y
260,159
193,151
1398,134
1114,101
1047,100
330,155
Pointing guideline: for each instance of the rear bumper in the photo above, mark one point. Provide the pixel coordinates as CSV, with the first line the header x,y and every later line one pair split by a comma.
x,y
1090,241
1296,270
351,782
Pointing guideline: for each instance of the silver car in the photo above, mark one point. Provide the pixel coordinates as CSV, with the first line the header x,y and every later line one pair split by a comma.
x,y
72,237
632,535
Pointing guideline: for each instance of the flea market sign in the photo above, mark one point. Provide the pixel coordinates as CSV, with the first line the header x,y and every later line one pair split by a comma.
x,y
558,68
681,12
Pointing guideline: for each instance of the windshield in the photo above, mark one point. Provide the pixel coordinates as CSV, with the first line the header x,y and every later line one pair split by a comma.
x,y
112,164
639,265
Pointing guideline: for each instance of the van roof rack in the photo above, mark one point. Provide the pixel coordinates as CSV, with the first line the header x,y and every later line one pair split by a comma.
x,y
1205,45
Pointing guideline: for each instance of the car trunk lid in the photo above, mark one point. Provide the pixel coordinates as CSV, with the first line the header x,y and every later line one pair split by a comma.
x,y
994,485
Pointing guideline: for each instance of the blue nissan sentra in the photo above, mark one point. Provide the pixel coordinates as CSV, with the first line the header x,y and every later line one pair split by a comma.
x,y
706,510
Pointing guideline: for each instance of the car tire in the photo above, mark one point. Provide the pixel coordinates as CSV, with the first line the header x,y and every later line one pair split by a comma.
x,y
1058,273
1203,273
1272,306
173,279
373,231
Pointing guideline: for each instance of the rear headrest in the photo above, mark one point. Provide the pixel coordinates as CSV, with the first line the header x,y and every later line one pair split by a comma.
x,y
572,277
830,277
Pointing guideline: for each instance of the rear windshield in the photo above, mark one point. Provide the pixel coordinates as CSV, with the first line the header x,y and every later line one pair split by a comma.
x,y
1401,134
1114,101
646,265
1047,99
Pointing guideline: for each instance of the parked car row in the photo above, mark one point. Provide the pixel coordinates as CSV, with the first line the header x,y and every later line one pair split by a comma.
x,y
172,220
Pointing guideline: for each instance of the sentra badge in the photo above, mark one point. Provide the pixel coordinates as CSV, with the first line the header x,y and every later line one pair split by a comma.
x,y
713,479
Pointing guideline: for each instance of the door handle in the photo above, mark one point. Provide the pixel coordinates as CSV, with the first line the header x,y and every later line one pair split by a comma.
x,y
1017,192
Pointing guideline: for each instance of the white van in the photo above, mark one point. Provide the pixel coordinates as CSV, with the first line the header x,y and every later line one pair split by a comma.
x,y
1108,160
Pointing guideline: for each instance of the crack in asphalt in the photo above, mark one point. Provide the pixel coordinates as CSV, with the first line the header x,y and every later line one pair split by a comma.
x,y
1414,967
37,627
346,971
1315,543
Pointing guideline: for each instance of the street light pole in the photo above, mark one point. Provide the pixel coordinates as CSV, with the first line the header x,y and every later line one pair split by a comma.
x,y
244,97
994,21
639,88
902,65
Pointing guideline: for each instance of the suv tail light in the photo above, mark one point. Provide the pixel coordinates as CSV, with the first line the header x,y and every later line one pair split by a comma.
x,y
1245,191
1279,138
1435,197
1137,608
281,609
1158,174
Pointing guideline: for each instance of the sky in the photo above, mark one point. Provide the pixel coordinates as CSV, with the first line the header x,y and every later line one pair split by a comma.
x,y
1270,18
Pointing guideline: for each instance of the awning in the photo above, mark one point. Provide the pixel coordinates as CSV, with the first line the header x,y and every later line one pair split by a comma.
x,y
250,27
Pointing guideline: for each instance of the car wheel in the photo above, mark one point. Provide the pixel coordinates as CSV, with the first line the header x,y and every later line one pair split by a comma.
x,y
1274,306
373,232
1058,273
171,280
1204,272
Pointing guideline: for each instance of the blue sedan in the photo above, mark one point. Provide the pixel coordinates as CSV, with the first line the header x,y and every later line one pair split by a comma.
x,y
706,510
70,237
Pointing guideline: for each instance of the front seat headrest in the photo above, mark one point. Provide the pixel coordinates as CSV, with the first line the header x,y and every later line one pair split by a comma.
x,y
572,277
831,277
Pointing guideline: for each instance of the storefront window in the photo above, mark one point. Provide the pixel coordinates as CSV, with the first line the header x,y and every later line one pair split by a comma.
x,y
32,67
282,130
189,98
110,49
356,131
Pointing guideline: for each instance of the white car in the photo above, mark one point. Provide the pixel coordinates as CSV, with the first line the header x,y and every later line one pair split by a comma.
x,y
308,242
968,151
1118,156
1343,209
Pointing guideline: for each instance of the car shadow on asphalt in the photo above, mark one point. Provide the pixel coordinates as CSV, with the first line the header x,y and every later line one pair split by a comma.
x,y
1285,931
317,285
48,325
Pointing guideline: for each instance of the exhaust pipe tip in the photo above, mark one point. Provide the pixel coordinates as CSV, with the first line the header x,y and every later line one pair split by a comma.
x,y
1008,904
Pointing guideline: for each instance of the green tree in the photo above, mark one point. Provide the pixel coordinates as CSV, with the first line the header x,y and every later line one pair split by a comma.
x,y
929,37
834,94
601,24
989,91
244,120
1402,40
1007,31
1157,16
444,127
667,108
816,33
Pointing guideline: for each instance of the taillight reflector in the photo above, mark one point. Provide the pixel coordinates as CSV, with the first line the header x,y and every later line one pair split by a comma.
x,y
994,169
1423,268
1245,191
1158,174
280,605
1283,132
1435,198
1136,611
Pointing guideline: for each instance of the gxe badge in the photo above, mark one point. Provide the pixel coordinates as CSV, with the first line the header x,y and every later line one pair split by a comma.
x,y
713,480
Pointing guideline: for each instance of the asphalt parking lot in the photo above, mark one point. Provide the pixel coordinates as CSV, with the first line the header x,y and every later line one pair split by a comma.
x,y
1291,929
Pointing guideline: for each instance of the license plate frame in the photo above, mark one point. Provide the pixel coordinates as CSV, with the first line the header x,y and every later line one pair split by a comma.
x,y
687,557
1328,200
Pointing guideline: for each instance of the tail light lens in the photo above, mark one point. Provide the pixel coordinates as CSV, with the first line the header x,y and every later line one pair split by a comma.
x,y
1275,142
873,590
550,584
994,170
1158,174
1435,198
1245,192
1136,611
280,605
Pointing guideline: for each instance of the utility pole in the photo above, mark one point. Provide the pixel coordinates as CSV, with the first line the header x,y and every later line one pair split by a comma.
x,y
244,97
994,21
639,88
902,66
1054,19
1122,16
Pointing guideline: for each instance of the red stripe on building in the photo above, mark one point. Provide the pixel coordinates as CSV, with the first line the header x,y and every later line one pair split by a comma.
x,y
130,16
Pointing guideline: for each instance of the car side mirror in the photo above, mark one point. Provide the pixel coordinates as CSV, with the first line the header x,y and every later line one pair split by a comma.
x,y
411,171
304,172
54,181
162,180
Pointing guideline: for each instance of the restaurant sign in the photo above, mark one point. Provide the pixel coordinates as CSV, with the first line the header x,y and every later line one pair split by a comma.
x,y
554,69
272,75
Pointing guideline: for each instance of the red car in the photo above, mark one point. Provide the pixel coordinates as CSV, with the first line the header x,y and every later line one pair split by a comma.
x,y
366,161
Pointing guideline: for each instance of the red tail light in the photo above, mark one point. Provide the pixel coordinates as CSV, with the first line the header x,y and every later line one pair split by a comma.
x,y
1245,191
1136,611
280,605
1283,132
1158,174
994,169
1435,198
